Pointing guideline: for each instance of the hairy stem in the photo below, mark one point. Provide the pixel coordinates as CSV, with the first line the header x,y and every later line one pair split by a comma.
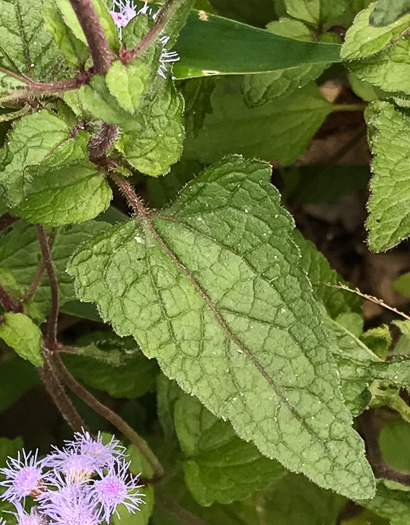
x,y
8,303
51,340
97,42
101,143
35,283
162,19
59,396
132,198
108,414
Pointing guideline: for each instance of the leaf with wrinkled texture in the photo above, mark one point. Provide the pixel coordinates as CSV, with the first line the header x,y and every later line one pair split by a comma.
x,y
388,11
32,140
260,89
280,129
389,203
363,40
156,142
219,467
390,503
128,83
21,334
65,194
213,289
107,362
316,12
25,45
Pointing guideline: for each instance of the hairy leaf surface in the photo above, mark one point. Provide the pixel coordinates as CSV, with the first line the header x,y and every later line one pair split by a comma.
x,y
21,334
213,289
389,203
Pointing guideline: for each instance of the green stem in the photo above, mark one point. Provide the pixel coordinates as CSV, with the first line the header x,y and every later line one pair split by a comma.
x,y
349,107
399,405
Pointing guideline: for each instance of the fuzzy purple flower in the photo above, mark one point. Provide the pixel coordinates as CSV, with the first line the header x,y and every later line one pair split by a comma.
x,y
34,518
24,477
102,455
117,487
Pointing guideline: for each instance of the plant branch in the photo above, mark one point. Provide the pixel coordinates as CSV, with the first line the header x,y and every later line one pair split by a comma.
x,y
8,303
127,190
163,17
35,283
7,220
107,414
59,396
51,340
97,42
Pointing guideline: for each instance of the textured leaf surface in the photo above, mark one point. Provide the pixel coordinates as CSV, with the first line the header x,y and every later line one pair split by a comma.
x,y
388,11
25,45
260,89
156,143
20,254
21,334
213,289
280,129
389,203
108,362
32,140
128,83
65,194
219,467
363,40
388,69
246,49
391,504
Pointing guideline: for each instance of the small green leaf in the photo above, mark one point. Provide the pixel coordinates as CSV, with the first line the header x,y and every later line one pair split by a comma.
x,y
316,12
107,23
246,49
156,142
394,442
280,129
219,467
75,51
17,376
378,340
212,288
21,334
128,83
116,365
363,40
389,218
66,194
32,139
388,11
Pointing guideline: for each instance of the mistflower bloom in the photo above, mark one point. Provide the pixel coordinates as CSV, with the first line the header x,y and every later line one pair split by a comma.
x,y
24,477
102,455
117,486
71,505
126,12
34,518
77,467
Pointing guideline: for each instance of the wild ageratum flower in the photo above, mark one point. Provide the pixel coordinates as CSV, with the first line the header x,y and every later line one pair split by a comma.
x,y
34,518
102,455
126,12
116,487
76,467
24,477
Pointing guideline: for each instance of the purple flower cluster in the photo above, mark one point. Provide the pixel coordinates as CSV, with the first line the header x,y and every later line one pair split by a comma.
x,y
123,12
81,484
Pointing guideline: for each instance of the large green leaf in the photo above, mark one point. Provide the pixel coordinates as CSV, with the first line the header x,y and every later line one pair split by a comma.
x,y
21,334
25,45
257,13
316,12
394,442
219,467
389,203
391,503
280,129
213,289
235,48
65,194
17,376
363,40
